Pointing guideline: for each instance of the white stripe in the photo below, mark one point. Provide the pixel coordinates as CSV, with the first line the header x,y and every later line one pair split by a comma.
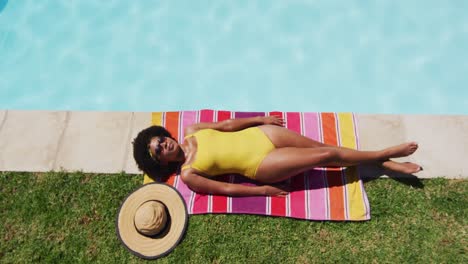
x,y
192,201
327,197
268,198
355,132
179,128
193,194
210,197
305,174
163,124
231,177
288,197
268,205
307,194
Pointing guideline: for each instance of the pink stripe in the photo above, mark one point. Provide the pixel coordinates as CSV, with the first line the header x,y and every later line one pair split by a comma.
x,y
201,199
311,128
206,116
201,203
253,204
188,118
187,194
297,206
294,121
315,181
317,195
297,197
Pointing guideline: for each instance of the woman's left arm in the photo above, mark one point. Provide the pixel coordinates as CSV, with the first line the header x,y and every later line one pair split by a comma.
x,y
200,184
237,124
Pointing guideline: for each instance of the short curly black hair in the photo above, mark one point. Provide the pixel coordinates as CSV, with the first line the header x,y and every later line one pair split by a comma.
x,y
143,159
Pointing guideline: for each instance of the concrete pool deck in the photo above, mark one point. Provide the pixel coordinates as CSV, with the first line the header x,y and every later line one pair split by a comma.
x,y
100,142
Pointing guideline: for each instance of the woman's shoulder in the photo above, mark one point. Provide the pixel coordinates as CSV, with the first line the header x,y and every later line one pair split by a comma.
x,y
204,126
194,131
190,130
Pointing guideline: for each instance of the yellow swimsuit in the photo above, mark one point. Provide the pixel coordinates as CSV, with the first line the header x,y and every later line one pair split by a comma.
x,y
238,152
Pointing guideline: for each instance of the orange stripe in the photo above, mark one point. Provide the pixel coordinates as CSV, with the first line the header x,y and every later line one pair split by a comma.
x,y
335,190
329,132
172,125
329,129
335,182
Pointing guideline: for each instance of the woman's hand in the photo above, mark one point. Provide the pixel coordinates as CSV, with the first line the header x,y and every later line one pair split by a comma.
x,y
280,190
273,120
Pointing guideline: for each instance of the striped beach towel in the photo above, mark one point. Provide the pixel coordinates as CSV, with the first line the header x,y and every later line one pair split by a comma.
x,y
318,194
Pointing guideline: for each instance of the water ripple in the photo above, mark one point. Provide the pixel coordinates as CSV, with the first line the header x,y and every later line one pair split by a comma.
x,y
299,55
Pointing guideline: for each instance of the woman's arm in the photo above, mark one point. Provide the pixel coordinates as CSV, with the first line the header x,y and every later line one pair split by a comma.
x,y
236,124
200,184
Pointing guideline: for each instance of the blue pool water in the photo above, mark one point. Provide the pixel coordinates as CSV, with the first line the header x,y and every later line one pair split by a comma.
x,y
386,56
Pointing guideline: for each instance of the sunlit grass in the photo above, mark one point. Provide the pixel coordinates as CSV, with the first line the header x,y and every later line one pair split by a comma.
x,y
70,217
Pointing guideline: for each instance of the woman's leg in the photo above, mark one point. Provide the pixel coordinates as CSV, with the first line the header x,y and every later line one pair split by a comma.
x,y
282,137
283,163
403,167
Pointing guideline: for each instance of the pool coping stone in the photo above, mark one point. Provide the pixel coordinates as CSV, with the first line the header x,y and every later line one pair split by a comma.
x,y
101,142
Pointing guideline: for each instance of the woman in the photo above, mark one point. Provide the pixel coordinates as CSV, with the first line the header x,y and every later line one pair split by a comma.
x,y
259,148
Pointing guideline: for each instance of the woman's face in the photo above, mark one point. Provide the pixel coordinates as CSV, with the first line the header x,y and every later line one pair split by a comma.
x,y
164,149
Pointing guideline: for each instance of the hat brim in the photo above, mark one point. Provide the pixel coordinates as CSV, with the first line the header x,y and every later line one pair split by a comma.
x,y
162,244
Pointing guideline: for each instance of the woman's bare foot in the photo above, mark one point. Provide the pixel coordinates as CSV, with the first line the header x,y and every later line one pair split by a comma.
x,y
401,150
403,167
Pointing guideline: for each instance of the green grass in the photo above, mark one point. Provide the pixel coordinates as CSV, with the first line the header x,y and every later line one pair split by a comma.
x,y
69,218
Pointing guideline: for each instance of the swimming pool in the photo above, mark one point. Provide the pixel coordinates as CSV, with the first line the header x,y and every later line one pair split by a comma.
x,y
363,56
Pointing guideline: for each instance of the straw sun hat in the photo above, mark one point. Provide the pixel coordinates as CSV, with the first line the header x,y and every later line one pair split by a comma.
x,y
152,220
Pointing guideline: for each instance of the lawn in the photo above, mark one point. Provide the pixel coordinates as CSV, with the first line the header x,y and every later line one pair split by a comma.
x,y
62,217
